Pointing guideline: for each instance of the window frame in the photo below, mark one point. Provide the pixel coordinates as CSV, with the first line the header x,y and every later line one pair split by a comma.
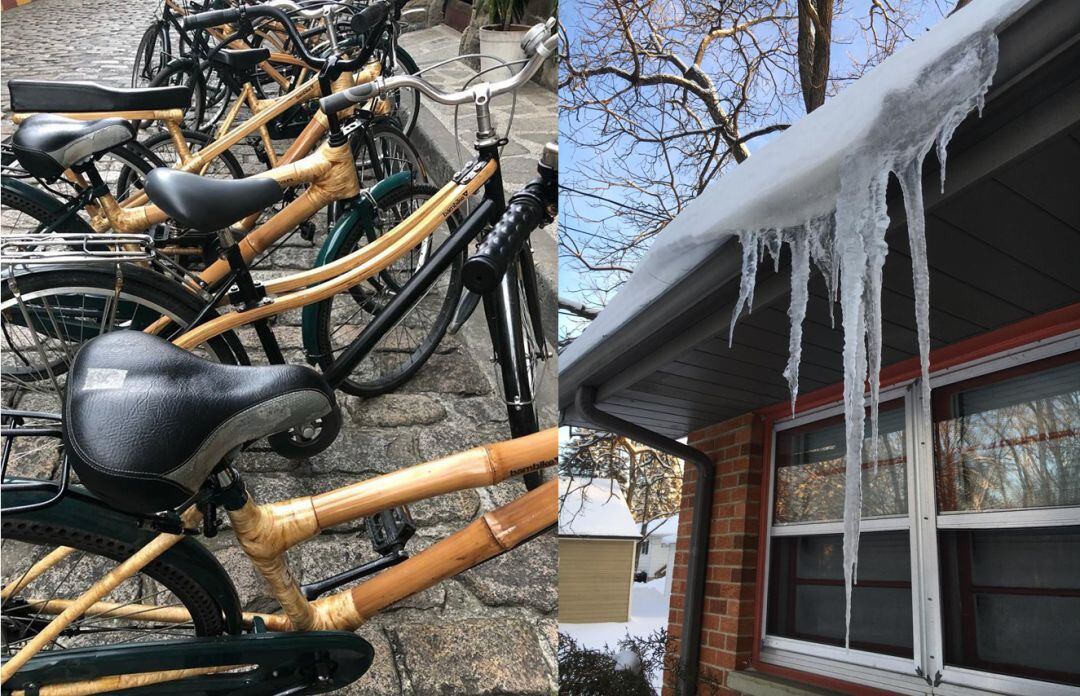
x,y
922,522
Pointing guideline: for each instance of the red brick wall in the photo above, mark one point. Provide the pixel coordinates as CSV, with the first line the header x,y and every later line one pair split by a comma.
x,y
735,446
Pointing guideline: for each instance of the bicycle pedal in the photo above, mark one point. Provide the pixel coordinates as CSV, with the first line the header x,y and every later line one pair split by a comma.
x,y
390,530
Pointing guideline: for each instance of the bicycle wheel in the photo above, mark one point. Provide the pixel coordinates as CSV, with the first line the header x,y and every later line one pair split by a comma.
x,y
407,346
185,73
163,584
393,150
406,100
153,54
46,315
25,213
224,166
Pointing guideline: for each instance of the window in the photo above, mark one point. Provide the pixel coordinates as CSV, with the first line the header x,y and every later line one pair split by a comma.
x,y
973,582
806,592
1007,452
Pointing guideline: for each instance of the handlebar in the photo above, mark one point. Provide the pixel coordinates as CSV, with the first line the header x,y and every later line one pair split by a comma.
x,y
538,49
375,14
525,212
484,269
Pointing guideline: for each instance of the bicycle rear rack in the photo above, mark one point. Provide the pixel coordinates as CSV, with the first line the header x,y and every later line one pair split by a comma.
x,y
13,424
68,247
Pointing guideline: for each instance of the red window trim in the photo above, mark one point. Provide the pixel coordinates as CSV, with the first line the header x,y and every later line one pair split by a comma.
x,y
1025,332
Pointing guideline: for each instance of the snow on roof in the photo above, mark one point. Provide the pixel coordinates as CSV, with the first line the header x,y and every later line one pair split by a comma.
x,y
594,507
663,530
795,177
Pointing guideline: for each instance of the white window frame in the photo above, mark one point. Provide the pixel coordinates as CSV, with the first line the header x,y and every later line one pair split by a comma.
x,y
922,522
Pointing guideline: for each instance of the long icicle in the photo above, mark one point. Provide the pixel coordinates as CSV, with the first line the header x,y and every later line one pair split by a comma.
x,y
800,290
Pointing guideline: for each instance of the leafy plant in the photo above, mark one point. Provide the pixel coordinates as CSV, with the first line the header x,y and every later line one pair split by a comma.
x,y
503,12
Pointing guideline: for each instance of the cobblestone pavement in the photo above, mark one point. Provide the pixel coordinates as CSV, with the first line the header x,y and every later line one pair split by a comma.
x,y
490,630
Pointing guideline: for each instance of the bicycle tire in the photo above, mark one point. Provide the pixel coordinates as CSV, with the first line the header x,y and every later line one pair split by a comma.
x,y
386,381
164,571
183,72
30,206
142,289
411,113
395,151
130,157
228,160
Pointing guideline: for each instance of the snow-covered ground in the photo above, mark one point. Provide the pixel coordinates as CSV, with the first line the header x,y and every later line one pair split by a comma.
x,y
648,614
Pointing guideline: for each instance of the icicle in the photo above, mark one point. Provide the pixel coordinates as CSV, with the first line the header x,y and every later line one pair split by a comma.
x,y
911,184
876,250
848,247
751,246
800,290
774,241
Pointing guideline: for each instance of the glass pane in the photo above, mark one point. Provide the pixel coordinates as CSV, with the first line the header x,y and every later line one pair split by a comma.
x,y
810,469
806,592
1010,440
1011,601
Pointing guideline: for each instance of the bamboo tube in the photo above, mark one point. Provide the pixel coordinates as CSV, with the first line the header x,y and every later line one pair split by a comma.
x,y
368,251
115,610
480,466
494,533
265,533
226,322
145,612
136,562
48,561
137,115
124,681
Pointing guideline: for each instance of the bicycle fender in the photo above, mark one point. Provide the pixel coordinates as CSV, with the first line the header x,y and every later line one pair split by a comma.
x,y
361,211
47,202
79,509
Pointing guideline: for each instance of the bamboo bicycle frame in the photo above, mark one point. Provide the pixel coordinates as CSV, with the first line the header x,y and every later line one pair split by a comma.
x,y
134,214
323,282
266,532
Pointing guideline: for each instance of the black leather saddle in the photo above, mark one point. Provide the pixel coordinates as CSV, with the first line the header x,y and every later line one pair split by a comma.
x,y
206,204
47,144
145,422
242,60
57,96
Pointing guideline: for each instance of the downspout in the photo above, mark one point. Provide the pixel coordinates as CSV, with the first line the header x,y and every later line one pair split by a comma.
x,y
690,645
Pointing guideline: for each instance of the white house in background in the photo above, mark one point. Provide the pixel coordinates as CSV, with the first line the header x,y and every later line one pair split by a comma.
x,y
656,552
597,550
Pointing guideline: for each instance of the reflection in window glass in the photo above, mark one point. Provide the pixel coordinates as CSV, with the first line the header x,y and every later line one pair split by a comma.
x,y
1012,601
1010,440
806,591
810,469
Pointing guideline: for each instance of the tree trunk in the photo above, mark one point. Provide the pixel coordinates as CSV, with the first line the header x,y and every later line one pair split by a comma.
x,y
815,40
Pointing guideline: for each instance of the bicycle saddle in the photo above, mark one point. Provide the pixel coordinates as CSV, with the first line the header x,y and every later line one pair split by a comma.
x,y
47,144
55,95
241,59
207,204
145,422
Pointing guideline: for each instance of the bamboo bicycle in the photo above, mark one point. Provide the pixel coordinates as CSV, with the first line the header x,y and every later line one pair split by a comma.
x,y
39,302
158,611
387,150
169,53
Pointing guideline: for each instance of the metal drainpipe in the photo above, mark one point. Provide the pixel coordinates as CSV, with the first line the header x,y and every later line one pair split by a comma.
x,y
690,645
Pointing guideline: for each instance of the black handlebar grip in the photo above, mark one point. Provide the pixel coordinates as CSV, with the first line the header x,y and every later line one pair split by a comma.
x,y
485,269
212,18
339,101
370,17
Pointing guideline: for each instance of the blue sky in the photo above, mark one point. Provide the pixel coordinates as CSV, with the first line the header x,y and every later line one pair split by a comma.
x,y
574,281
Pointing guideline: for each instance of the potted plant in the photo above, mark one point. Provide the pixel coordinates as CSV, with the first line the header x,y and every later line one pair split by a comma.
x,y
501,38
